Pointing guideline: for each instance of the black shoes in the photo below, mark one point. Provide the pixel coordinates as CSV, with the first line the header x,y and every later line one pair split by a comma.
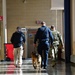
x,y
17,66
45,67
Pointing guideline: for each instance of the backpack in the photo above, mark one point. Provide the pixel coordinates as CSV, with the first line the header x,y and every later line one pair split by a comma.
x,y
55,35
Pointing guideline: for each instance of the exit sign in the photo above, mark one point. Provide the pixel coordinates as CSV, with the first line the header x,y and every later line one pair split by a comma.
x,y
1,18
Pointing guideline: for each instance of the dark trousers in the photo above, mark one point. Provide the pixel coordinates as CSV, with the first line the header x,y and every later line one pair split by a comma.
x,y
43,51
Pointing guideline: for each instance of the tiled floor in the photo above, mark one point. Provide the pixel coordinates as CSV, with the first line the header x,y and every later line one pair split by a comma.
x,y
7,68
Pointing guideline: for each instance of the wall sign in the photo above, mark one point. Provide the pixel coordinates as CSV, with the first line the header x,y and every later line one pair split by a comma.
x,y
1,18
57,4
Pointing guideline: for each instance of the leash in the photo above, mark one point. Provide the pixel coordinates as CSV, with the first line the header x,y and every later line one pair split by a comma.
x,y
35,49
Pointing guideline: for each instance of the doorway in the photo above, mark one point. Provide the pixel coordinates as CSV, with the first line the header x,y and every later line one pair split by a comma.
x,y
24,30
30,35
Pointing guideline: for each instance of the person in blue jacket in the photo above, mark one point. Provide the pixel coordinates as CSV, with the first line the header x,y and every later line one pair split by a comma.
x,y
18,40
44,38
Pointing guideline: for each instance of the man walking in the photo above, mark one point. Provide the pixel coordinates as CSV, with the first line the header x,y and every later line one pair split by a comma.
x,y
44,38
18,39
56,43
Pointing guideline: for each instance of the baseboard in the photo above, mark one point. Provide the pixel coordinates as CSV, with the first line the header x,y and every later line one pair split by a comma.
x,y
72,58
62,59
23,58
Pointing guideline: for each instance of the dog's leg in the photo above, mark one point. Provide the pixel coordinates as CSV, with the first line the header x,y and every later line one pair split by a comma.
x,y
35,64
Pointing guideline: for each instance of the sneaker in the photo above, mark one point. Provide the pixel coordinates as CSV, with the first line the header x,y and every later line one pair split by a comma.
x,y
15,65
19,66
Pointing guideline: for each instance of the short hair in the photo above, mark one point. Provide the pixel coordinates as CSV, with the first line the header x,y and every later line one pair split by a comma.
x,y
18,28
43,22
52,26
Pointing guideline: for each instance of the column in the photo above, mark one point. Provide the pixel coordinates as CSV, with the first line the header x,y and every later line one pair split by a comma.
x,y
67,30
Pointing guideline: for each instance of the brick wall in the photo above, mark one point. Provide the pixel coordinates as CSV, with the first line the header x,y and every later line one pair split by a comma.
x,y
1,35
25,14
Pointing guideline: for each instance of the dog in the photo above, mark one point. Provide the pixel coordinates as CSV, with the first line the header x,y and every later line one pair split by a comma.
x,y
36,60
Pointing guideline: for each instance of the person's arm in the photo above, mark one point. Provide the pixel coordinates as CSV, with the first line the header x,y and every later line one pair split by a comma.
x,y
60,39
51,37
36,37
12,38
23,36
24,39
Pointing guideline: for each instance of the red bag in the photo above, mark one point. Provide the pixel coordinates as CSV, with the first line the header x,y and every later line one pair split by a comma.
x,y
9,51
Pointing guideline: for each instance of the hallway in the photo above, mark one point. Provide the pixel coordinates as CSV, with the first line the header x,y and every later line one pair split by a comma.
x,y
7,68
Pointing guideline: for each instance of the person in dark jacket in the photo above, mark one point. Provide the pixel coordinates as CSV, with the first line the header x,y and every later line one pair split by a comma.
x,y
18,40
45,38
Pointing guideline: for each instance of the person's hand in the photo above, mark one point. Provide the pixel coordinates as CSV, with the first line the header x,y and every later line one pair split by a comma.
x,y
51,46
62,46
34,45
